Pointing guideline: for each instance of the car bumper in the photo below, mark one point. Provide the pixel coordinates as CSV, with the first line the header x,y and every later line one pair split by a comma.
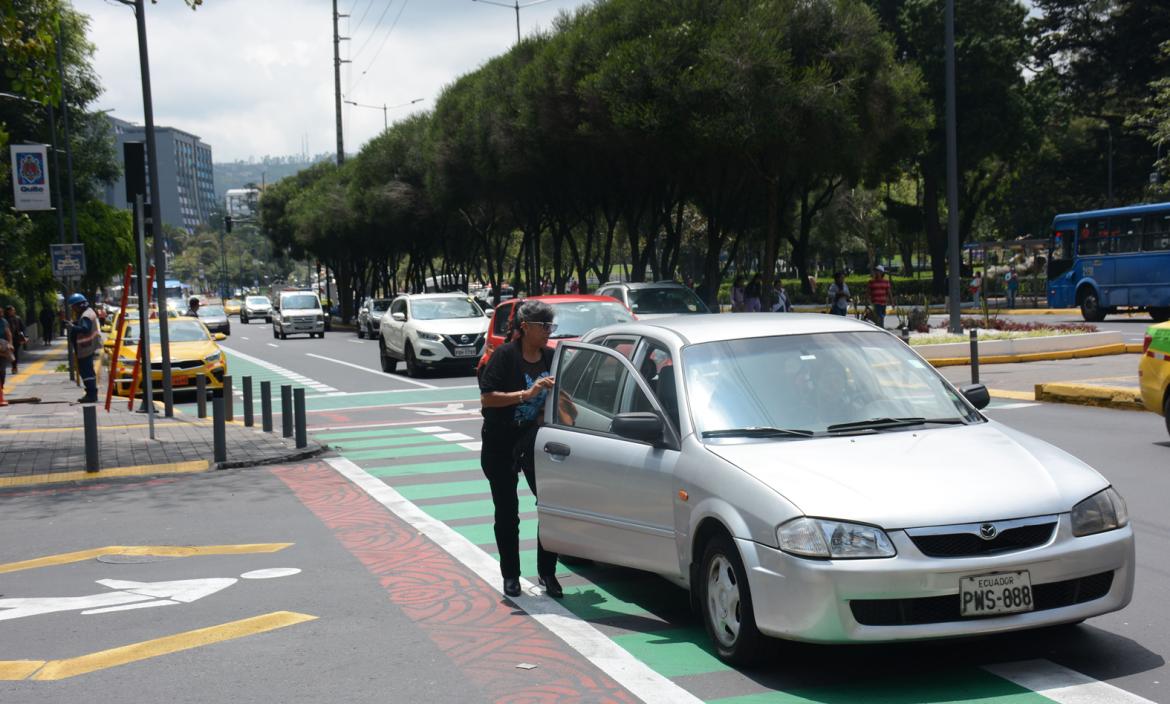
x,y
1152,377
879,600
301,328
181,379
430,353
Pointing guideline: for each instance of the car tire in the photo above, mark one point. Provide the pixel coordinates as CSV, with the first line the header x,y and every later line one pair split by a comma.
x,y
413,368
243,319
1091,309
1160,315
726,602
389,364
283,335
1166,411
361,331
274,335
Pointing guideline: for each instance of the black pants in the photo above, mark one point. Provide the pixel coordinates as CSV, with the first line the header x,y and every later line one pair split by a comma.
x,y
88,376
499,463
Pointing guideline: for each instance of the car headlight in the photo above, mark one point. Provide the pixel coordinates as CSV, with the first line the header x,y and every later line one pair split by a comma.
x,y
1102,511
429,336
213,357
820,537
320,318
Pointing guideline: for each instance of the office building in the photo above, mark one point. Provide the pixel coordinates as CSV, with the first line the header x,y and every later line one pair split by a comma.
x,y
186,188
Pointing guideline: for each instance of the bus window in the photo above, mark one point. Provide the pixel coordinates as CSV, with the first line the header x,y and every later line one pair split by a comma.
x,y
1127,235
1062,252
1094,237
1157,235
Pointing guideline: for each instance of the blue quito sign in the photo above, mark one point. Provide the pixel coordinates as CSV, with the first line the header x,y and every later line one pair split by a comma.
x,y
30,177
68,260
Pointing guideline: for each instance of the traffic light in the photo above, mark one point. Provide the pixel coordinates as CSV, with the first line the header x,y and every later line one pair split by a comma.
x,y
227,223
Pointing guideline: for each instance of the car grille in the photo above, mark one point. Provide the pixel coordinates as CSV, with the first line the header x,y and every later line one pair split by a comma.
x,y
967,544
943,609
302,319
181,364
468,340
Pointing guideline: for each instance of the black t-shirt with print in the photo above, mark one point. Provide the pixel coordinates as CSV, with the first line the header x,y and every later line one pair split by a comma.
x,y
507,371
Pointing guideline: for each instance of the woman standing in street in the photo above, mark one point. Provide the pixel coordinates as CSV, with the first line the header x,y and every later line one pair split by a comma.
x,y
513,387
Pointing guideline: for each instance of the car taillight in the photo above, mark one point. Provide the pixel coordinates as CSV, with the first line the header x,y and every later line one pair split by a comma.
x,y
1146,343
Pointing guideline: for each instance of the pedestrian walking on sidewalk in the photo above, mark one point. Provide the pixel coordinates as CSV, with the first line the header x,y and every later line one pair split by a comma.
x,y
1013,287
5,355
839,294
880,295
19,338
513,387
88,340
47,320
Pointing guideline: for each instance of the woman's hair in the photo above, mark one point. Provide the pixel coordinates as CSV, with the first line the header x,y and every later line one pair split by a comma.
x,y
534,312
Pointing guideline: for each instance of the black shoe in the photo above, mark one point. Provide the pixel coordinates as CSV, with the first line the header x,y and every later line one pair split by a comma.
x,y
552,587
511,586
87,399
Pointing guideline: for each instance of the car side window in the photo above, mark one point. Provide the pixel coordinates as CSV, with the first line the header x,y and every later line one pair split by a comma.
x,y
622,344
657,369
398,306
500,319
589,389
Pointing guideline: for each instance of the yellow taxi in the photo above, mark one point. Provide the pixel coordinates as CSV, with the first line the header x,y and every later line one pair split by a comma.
x,y
232,306
1154,371
193,349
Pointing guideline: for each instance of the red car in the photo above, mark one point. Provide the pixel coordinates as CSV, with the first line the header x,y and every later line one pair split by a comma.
x,y
576,314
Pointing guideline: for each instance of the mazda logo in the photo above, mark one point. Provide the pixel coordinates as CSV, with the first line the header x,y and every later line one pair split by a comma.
x,y
988,531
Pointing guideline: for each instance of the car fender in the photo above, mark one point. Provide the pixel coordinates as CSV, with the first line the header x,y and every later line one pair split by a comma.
x,y
1090,284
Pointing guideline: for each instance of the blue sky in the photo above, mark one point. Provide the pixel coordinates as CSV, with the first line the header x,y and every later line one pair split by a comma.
x,y
255,77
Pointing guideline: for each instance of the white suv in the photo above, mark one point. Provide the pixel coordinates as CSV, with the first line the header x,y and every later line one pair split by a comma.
x,y
298,312
430,330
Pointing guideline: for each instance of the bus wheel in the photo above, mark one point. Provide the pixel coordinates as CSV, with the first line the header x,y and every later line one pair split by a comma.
x,y
1091,309
1160,315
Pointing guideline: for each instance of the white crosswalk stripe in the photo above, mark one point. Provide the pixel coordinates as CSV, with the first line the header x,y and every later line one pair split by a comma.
x,y
287,373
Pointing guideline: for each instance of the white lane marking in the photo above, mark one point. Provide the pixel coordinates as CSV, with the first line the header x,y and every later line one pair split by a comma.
x,y
400,391
612,659
270,344
432,429
454,437
379,372
244,338
287,373
1010,406
371,426
472,446
356,342
1061,684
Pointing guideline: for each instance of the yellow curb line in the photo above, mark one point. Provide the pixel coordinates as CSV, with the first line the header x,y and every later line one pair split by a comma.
x,y
29,370
142,470
66,558
1100,351
1132,347
1089,395
1015,395
84,664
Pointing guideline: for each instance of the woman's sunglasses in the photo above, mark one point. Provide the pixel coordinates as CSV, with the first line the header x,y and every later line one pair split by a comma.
x,y
550,328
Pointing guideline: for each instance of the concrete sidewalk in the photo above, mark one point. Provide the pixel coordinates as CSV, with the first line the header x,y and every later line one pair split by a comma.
x,y
42,439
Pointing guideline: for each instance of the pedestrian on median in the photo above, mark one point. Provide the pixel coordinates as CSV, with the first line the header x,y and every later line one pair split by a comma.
x,y
839,295
976,287
880,295
88,340
737,295
782,303
513,387
47,320
19,338
753,294
1013,287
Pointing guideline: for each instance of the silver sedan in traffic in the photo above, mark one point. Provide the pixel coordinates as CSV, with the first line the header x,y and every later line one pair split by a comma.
x,y
812,478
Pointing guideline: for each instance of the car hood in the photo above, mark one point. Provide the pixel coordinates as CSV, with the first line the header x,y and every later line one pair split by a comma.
x,y
453,326
180,351
925,477
257,306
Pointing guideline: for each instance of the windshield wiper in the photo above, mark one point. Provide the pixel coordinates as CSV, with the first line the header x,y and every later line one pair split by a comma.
x,y
757,432
886,423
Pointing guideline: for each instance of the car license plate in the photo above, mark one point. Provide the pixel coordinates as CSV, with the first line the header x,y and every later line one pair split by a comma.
x,y
990,594
464,351
179,381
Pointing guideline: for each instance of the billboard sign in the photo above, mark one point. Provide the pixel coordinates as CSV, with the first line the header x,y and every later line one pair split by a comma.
x,y
30,177
68,260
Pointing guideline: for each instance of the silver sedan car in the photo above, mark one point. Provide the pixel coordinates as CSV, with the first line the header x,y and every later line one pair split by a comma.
x,y
810,477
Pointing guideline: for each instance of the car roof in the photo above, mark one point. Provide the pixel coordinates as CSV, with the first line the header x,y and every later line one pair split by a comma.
x,y
423,296
694,329
566,298
645,284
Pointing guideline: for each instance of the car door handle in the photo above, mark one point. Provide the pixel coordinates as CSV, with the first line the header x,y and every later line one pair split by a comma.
x,y
557,449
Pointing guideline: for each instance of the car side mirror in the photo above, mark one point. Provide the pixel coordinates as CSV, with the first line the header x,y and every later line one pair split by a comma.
x,y
219,336
399,316
644,426
489,312
977,394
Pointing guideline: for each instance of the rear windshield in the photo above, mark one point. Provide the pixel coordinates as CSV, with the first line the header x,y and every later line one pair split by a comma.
x,y
258,300
380,305
299,301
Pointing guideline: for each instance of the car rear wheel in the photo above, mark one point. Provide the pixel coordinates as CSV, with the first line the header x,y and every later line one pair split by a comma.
x,y
413,368
727,604
389,364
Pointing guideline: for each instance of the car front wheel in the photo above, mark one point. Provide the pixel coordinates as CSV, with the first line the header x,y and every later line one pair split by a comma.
x,y
243,319
413,368
389,364
361,331
1091,309
727,604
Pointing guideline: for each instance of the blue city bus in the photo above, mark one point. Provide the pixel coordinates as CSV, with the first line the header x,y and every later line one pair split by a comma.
x,y
1105,261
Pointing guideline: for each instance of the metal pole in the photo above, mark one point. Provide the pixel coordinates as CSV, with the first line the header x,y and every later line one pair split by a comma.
x,y
160,263
299,409
144,320
336,84
218,434
974,357
89,418
229,403
249,420
952,175
517,21
286,410
201,395
906,334
385,120
65,127
266,405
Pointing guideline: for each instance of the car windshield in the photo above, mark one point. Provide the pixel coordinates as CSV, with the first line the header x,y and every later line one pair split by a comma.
x,y
211,312
668,299
812,382
258,301
576,319
380,305
445,308
302,301
177,331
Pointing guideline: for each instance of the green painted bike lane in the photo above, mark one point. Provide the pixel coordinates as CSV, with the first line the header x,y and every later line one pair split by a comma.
x,y
676,646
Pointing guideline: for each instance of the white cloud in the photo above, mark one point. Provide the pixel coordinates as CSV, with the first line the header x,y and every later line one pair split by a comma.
x,y
255,77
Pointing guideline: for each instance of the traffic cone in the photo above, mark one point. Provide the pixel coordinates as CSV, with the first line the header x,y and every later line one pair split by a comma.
x,y
2,401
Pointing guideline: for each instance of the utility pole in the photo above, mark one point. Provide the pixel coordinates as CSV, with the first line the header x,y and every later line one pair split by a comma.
x,y
337,82
65,125
515,5
952,174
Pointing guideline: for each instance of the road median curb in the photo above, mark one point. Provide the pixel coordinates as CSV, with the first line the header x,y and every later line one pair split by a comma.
x,y
1090,395
1098,351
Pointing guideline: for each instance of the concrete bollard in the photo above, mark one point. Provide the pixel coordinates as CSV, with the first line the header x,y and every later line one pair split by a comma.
x,y
218,432
89,418
249,420
286,410
201,394
266,405
299,406
974,357
906,335
229,403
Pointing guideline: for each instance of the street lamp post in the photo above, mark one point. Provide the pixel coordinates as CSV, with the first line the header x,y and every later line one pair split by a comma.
x,y
515,6
384,108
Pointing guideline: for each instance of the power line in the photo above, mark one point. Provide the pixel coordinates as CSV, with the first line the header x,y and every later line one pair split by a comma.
x,y
354,31
382,45
375,29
